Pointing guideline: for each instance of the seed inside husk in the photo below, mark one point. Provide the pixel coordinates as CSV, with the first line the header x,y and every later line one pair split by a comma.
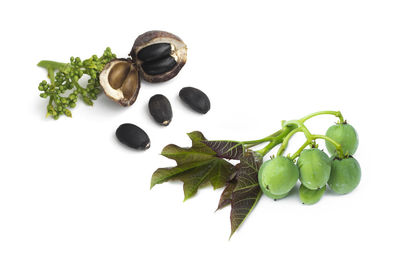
x,y
195,99
133,136
160,109
155,51
159,66
159,55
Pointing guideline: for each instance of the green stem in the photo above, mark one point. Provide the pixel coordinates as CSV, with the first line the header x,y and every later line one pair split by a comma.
x,y
297,153
301,128
276,140
51,75
326,112
310,138
77,85
333,142
250,145
263,140
299,124
286,141
50,72
316,136
305,130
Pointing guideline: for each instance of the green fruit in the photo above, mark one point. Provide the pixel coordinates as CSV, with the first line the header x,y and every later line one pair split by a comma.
x,y
274,197
315,168
269,194
310,197
278,175
345,135
345,175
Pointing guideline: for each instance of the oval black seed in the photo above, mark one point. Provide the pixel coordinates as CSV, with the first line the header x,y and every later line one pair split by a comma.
x,y
159,66
133,136
196,99
160,109
155,51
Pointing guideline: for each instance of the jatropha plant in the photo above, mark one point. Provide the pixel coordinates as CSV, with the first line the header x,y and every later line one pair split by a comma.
x,y
64,89
208,162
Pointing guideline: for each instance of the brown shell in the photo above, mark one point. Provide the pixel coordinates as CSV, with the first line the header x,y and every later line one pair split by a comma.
x,y
146,38
123,102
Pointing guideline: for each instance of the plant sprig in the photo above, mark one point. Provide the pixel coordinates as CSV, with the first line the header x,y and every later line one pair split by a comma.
x,y
195,165
64,89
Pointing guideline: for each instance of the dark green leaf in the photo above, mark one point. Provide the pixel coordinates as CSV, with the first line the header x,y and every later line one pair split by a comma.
x,y
226,149
247,191
226,196
198,151
196,166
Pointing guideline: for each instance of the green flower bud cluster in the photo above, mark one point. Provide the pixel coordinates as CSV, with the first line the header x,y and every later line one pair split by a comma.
x,y
64,88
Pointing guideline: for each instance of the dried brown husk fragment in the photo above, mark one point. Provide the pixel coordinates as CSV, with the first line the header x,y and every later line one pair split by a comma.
x,y
120,81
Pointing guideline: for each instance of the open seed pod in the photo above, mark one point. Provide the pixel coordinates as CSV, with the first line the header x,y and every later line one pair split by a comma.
x,y
120,81
159,55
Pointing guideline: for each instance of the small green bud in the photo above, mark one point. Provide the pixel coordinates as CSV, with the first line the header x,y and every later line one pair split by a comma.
x,y
67,112
87,101
43,95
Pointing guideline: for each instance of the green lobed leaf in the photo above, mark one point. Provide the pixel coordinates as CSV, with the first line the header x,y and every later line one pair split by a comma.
x,y
247,191
226,149
196,166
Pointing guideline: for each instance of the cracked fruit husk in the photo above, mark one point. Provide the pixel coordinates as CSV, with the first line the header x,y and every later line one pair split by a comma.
x,y
120,81
159,55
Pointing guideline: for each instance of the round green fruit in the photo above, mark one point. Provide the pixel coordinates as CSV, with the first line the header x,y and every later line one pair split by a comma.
x,y
310,197
315,168
345,175
278,175
345,135
274,197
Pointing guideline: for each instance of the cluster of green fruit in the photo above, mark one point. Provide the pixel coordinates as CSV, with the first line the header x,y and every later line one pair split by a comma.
x,y
315,168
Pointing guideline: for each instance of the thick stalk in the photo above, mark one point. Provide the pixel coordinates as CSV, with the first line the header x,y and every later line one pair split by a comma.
x,y
276,140
263,140
286,141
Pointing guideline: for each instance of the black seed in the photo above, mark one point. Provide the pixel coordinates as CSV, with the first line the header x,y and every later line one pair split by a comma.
x,y
160,109
133,136
196,99
159,66
155,51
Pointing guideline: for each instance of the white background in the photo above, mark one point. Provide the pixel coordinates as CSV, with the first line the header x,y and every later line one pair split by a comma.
x,y
71,195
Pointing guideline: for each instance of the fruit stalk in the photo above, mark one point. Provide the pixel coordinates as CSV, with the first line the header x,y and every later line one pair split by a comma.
x,y
290,128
